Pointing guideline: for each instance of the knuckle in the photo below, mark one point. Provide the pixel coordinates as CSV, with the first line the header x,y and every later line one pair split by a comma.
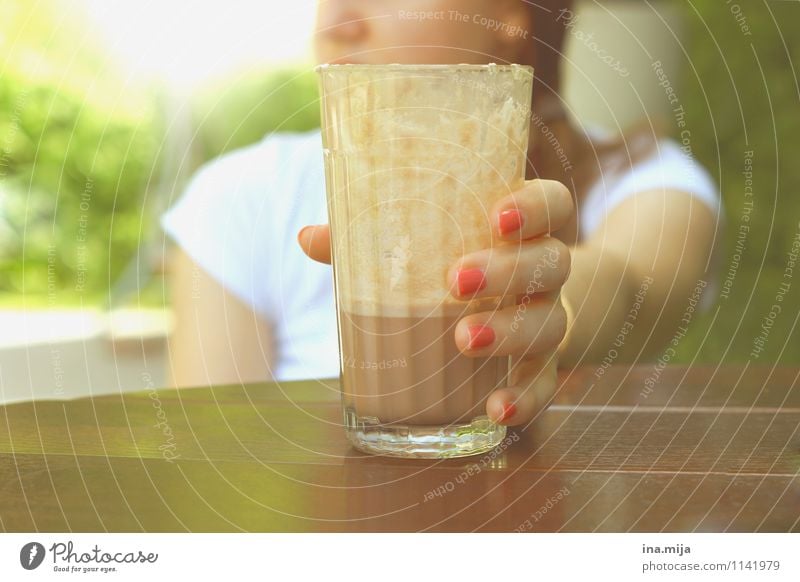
x,y
563,258
564,196
565,263
560,205
560,321
553,331
536,191
534,185
556,191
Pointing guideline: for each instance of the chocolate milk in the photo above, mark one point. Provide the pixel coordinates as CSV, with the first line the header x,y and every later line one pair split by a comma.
x,y
415,157
409,370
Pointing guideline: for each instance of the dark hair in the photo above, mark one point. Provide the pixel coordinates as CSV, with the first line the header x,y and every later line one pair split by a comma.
x,y
591,158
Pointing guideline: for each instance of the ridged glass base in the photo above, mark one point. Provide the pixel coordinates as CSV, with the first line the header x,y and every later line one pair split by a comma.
x,y
426,442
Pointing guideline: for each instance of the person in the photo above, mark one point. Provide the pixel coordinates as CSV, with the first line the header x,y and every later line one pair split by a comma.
x,y
623,226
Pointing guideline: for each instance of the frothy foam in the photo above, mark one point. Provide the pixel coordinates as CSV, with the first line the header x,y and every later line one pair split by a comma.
x,y
413,171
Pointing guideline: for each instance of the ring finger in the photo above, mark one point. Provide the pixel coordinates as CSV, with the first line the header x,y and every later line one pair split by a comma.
x,y
529,267
534,325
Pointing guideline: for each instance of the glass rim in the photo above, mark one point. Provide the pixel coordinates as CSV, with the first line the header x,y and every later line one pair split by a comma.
x,y
424,67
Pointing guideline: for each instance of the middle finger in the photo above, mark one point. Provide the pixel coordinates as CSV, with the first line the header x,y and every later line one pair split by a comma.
x,y
535,266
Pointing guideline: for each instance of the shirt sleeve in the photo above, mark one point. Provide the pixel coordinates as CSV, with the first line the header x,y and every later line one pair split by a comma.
x,y
223,221
668,169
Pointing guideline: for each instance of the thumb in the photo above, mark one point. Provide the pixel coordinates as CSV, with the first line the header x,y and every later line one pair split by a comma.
x,y
315,240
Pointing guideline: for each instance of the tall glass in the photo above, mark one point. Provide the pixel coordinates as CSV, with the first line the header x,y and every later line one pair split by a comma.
x,y
415,156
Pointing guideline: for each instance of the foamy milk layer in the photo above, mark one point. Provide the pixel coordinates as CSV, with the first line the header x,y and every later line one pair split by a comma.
x,y
414,161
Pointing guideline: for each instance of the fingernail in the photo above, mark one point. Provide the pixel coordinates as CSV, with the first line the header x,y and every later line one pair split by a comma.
x,y
480,336
302,230
509,410
470,281
509,221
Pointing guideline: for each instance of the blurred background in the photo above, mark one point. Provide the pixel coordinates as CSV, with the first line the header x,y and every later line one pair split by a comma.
x,y
107,107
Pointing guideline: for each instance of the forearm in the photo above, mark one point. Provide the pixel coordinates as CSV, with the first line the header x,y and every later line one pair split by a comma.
x,y
634,279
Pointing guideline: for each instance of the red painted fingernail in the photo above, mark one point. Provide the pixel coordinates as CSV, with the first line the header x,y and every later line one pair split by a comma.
x,y
509,410
509,221
470,281
480,336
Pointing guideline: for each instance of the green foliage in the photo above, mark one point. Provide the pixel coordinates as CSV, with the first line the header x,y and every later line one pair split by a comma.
x,y
241,110
741,94
77,148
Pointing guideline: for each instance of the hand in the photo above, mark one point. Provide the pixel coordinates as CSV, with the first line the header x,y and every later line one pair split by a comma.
x,y
532,268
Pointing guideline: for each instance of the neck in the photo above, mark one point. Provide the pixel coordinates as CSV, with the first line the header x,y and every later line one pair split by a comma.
x,y
551,145
556,151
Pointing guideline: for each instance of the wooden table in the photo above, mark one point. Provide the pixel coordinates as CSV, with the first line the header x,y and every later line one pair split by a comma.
x,y
709,449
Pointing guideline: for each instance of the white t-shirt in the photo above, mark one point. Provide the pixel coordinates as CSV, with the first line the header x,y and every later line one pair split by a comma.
x,y
240,214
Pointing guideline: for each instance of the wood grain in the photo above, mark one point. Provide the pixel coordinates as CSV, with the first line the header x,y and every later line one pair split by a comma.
x,y
707,449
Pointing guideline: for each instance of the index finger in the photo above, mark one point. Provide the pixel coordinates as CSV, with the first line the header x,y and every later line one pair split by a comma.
x,y
538,208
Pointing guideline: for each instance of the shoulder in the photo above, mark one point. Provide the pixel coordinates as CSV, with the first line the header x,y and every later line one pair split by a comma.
x,y
672,165
670,168
243,180
232,214
267,161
